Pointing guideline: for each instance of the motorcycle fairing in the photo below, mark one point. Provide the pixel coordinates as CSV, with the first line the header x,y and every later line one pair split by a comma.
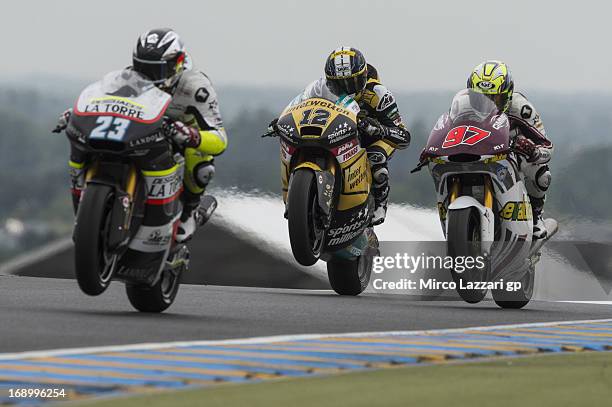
x,y
325,184
324,126
512,238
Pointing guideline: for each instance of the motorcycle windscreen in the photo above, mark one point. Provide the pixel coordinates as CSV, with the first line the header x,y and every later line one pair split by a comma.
x,y
125,94
474,125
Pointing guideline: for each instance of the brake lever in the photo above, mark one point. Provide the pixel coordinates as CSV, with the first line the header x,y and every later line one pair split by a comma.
x,y
270,133
420,166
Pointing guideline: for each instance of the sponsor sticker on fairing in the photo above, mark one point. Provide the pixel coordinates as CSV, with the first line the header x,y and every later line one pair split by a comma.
x,y
339,132
152,239
163,189
286,151
115,105
346,151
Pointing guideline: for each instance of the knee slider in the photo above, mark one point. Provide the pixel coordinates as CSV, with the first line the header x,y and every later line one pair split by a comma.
x,y
543,178
377,157
380,175
203,173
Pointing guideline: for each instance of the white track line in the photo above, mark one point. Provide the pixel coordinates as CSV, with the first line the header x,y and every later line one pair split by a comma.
x,y
273,339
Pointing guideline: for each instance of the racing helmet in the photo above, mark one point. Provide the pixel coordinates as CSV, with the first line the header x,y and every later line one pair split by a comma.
x,y
346,71
493,79
159,55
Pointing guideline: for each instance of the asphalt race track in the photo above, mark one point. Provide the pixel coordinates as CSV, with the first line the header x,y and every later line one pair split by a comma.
x,y
218,257
42,313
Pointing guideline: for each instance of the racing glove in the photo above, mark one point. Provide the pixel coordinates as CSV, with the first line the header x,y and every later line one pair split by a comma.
x,y
526,148
372,127
62,121
184,136
398,137
424,156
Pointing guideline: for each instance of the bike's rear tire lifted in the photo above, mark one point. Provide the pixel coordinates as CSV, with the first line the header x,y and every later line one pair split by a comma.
x,y
349,277
463,239
305,235
94,265
160,296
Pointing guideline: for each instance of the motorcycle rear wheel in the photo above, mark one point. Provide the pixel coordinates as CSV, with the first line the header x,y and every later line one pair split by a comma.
x,y
160,296
305,233
517,299
349,277
94,264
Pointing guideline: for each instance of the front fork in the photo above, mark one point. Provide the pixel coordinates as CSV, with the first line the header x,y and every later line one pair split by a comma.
x,y
123,202
455,191
325,170
458,201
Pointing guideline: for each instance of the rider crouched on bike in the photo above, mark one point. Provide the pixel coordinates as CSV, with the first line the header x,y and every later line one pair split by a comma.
x,y
493,79
381,128
160,56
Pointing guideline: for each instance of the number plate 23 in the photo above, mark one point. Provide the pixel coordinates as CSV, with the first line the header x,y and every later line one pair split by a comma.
x,y
110,128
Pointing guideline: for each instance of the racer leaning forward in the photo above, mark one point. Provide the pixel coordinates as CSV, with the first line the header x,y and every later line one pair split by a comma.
x,y
160,56
381,128
534,149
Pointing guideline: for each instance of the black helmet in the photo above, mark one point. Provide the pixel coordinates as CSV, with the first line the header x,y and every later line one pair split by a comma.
x,y
159,55
346,71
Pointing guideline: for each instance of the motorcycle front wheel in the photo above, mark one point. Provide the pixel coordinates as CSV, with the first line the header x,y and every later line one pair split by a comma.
x,y
94,263
305,232
464,240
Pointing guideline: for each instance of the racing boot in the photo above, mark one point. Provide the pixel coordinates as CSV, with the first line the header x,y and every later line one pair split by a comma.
x,y
197,209
537,208
196,212
380,212
380,191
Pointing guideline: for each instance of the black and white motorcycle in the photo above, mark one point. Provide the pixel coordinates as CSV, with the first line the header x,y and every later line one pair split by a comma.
x,y
483,204
129,211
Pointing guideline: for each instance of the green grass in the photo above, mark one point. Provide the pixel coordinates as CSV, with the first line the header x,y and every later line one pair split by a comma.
x,y
581,379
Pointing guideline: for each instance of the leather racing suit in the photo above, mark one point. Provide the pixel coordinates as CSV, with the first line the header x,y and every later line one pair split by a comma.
x,y
525,122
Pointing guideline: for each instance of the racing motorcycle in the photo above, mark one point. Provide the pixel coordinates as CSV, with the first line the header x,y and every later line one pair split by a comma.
x,y
130,207
483,205
326,180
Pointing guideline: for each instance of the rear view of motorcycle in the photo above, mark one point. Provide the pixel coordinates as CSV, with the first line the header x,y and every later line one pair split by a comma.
x,y
130,207
483,205
326,182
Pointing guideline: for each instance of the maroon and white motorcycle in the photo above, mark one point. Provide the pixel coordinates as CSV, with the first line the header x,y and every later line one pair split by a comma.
x,y
483,204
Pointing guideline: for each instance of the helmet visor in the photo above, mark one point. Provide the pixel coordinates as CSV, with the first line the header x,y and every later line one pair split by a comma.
x,y
348,86
157,71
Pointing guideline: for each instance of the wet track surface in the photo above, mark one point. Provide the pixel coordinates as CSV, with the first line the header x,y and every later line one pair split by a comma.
x,y
41,313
